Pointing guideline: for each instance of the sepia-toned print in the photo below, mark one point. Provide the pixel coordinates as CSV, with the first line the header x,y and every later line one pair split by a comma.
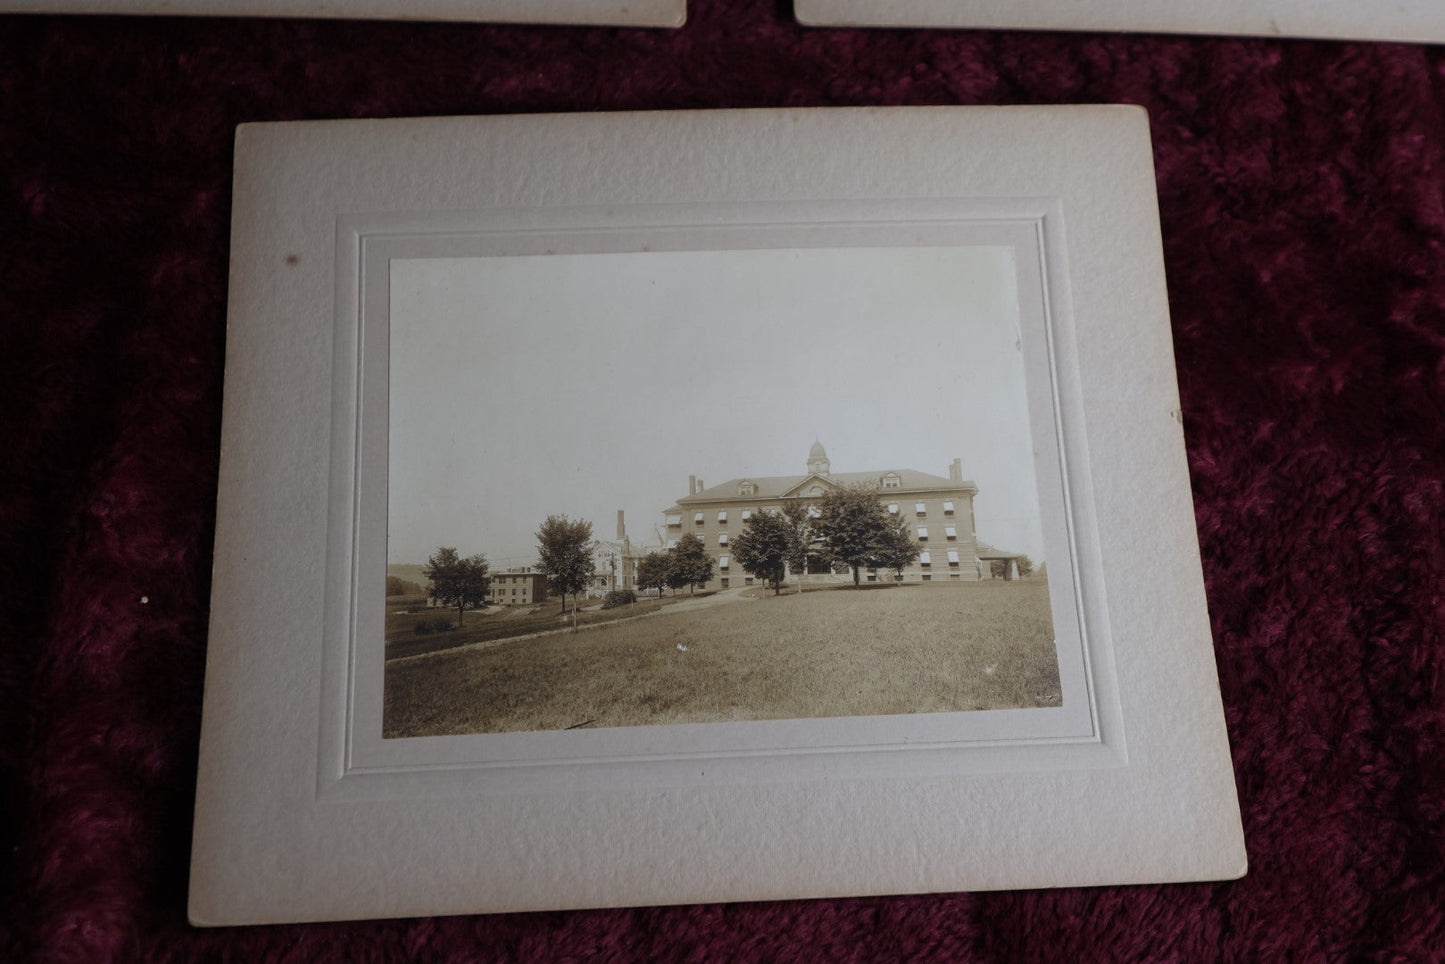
x,y
709,486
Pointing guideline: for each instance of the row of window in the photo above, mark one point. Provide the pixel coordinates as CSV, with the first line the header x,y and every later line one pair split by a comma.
x,y
920,509
699,518
873,577
949,532
925,558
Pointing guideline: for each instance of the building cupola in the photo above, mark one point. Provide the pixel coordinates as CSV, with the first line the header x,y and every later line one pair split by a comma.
x,y
817,459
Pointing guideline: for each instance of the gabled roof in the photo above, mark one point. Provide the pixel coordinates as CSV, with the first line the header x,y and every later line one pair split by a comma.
x,y
778,486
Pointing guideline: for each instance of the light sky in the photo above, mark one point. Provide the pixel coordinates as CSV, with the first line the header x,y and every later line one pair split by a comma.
x,y
584,384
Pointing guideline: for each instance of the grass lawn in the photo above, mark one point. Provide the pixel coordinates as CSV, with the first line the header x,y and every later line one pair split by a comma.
x,y
917,648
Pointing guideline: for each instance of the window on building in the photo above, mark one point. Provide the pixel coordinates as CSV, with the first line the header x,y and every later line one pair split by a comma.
x,y
923,533
927,577
747,514
920,508
747,580
722,538
950,532
814,512
948,508
954,575
724,582
674,520
747,488
925,559
815,490
698,517
893,508
722,562
891,481
872,577
722,516
953,558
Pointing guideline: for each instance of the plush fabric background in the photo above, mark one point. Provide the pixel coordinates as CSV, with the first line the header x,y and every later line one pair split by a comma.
x,y
1302,188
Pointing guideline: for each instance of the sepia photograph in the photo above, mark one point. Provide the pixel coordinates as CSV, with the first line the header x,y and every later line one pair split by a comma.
x,y
670,487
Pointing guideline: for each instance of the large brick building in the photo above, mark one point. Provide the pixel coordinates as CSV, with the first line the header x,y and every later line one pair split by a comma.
x,y
938,510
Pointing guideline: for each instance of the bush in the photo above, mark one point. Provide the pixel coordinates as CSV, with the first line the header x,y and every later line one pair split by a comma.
x,y
618,597
433,626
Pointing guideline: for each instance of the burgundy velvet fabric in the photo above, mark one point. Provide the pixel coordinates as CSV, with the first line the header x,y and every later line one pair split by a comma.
x,y
1302,192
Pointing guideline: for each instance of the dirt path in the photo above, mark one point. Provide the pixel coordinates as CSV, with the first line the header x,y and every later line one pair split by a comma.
x,y
722,597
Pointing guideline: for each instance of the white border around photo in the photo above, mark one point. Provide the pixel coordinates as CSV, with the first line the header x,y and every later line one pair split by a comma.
x,y
304,813
1411,21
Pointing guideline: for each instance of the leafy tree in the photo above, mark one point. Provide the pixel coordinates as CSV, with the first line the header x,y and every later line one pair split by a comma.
x,y
454,581
805,552
998,568
691,564
765,546
854,523
564,553
652,571
895,549
676,574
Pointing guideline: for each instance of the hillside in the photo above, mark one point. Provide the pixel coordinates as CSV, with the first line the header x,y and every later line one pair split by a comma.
x,y
411,572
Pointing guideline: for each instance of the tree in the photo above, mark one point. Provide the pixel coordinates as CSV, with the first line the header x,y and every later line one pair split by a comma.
x,y
454,581
998,568
652,571
692,566
564,553
804,551
676,574
854,524
896,549
764,547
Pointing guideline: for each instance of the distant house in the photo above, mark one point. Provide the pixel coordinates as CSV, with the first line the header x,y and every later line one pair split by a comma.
x,y
517,588
938,510
616,561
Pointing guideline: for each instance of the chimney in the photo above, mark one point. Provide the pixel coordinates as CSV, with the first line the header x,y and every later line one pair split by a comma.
x,y
621,527
700,486
691,484
955,471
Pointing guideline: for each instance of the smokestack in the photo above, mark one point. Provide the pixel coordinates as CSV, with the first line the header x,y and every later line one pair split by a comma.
x,y
621,527
700,486
955,471
691,484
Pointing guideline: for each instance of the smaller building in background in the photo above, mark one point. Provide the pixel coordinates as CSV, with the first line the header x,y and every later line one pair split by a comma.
x,y
519,587
616,560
